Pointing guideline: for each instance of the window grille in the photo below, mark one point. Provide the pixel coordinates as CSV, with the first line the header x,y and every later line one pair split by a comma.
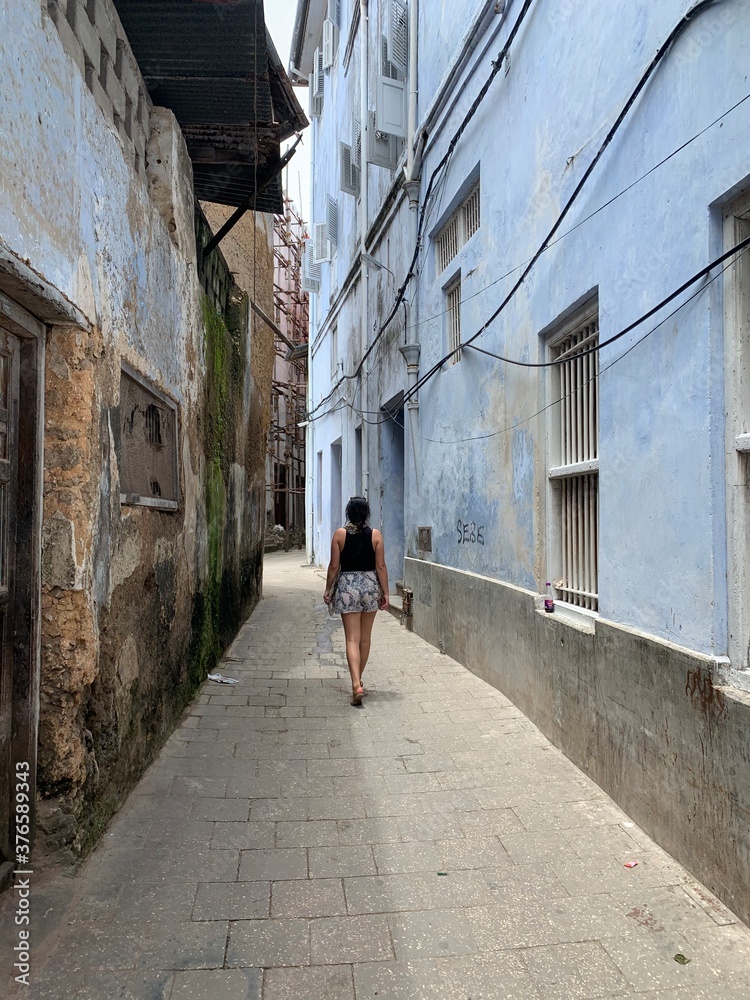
x,y
147,452
471,213
453,295
577,475
447,244
458,230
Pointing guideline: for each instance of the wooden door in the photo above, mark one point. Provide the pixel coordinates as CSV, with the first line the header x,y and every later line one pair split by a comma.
x,y
9,411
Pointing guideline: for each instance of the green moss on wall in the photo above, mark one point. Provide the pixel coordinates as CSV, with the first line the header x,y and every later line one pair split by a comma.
x,y
225,353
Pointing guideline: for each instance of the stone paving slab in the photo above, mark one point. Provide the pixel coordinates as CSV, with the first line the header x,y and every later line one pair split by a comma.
x,y
429,844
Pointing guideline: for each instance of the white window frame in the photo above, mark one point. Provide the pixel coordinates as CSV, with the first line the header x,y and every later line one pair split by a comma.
x,y
334,338
573,464
736,296
152,391
330,43
319,489
453,302
358,460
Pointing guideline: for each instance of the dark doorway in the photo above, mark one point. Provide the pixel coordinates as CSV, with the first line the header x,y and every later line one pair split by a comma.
x,y
22,340
10,368
280,495
392,487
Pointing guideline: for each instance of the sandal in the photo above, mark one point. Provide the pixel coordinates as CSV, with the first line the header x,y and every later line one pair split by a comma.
x,y
357,695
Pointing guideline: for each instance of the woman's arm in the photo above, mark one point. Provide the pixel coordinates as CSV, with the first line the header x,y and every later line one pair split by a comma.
x,y
337,543
380,567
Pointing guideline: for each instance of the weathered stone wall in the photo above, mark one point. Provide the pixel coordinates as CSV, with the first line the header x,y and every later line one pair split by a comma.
x,y
249,254
648,721
95,40
71,491
138,602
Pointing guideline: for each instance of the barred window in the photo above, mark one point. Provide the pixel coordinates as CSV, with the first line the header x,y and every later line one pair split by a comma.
x,y
453,300
147,444
458,230
575,476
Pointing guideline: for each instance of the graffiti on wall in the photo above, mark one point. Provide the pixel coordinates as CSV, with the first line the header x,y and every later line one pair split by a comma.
x,y
470,533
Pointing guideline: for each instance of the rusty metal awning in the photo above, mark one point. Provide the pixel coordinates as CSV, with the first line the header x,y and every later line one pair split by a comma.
x,y
214,65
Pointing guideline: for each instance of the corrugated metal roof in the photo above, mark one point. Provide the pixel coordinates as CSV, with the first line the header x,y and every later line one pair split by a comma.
x,y
212,63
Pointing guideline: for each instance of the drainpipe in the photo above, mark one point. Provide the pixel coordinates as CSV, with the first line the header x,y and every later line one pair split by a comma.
x,y
411,348
413,87
412,184
311,464
364,279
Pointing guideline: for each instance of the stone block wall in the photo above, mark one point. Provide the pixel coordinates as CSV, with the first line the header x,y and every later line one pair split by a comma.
x,y
649,721
94,38
138,602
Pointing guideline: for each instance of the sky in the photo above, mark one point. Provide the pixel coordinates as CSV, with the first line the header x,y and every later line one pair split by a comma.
x,y
280,23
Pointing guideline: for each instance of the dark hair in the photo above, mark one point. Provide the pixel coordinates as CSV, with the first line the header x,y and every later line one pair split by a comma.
x,y
358,511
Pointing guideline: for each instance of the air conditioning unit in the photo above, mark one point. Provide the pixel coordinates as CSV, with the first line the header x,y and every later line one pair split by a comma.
x,y
390,109
383,150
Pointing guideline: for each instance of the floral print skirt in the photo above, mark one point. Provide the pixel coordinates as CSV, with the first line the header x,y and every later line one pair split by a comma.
x,y
357,590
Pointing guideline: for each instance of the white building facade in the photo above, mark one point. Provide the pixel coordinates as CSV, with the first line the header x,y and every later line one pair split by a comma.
x,y
529,348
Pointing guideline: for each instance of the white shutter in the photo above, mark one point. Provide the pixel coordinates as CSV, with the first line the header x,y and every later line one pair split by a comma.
x,y
386,66
383,149
318,76
330,39
398,35
356,142
310,271
321,243
334,13
316,103
332,220
391,107
349,173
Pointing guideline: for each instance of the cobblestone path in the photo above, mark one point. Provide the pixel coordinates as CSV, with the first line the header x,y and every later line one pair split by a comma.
x,y
430,844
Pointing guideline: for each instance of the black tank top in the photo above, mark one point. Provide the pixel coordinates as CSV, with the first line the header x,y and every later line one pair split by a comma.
x,y
358,553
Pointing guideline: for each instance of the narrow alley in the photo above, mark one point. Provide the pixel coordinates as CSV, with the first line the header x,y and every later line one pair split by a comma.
x,y
431,843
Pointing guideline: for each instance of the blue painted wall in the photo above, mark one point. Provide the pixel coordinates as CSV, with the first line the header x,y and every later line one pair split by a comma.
x,y
477,449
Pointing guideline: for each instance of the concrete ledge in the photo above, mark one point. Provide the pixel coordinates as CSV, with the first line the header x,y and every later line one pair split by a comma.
x,y
653,724
32,291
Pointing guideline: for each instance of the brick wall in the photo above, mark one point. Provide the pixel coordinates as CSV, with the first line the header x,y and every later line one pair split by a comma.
x,y
94,38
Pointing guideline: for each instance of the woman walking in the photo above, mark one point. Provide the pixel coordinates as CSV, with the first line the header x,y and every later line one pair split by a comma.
x,y
362,587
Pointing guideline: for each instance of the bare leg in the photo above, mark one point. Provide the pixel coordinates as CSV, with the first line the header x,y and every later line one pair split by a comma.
x,y
368,620
352,632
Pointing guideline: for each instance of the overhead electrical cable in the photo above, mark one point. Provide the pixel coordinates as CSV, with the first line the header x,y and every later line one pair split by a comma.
x,y
571,394
587,218
693,12
704,271
496,66
561,236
